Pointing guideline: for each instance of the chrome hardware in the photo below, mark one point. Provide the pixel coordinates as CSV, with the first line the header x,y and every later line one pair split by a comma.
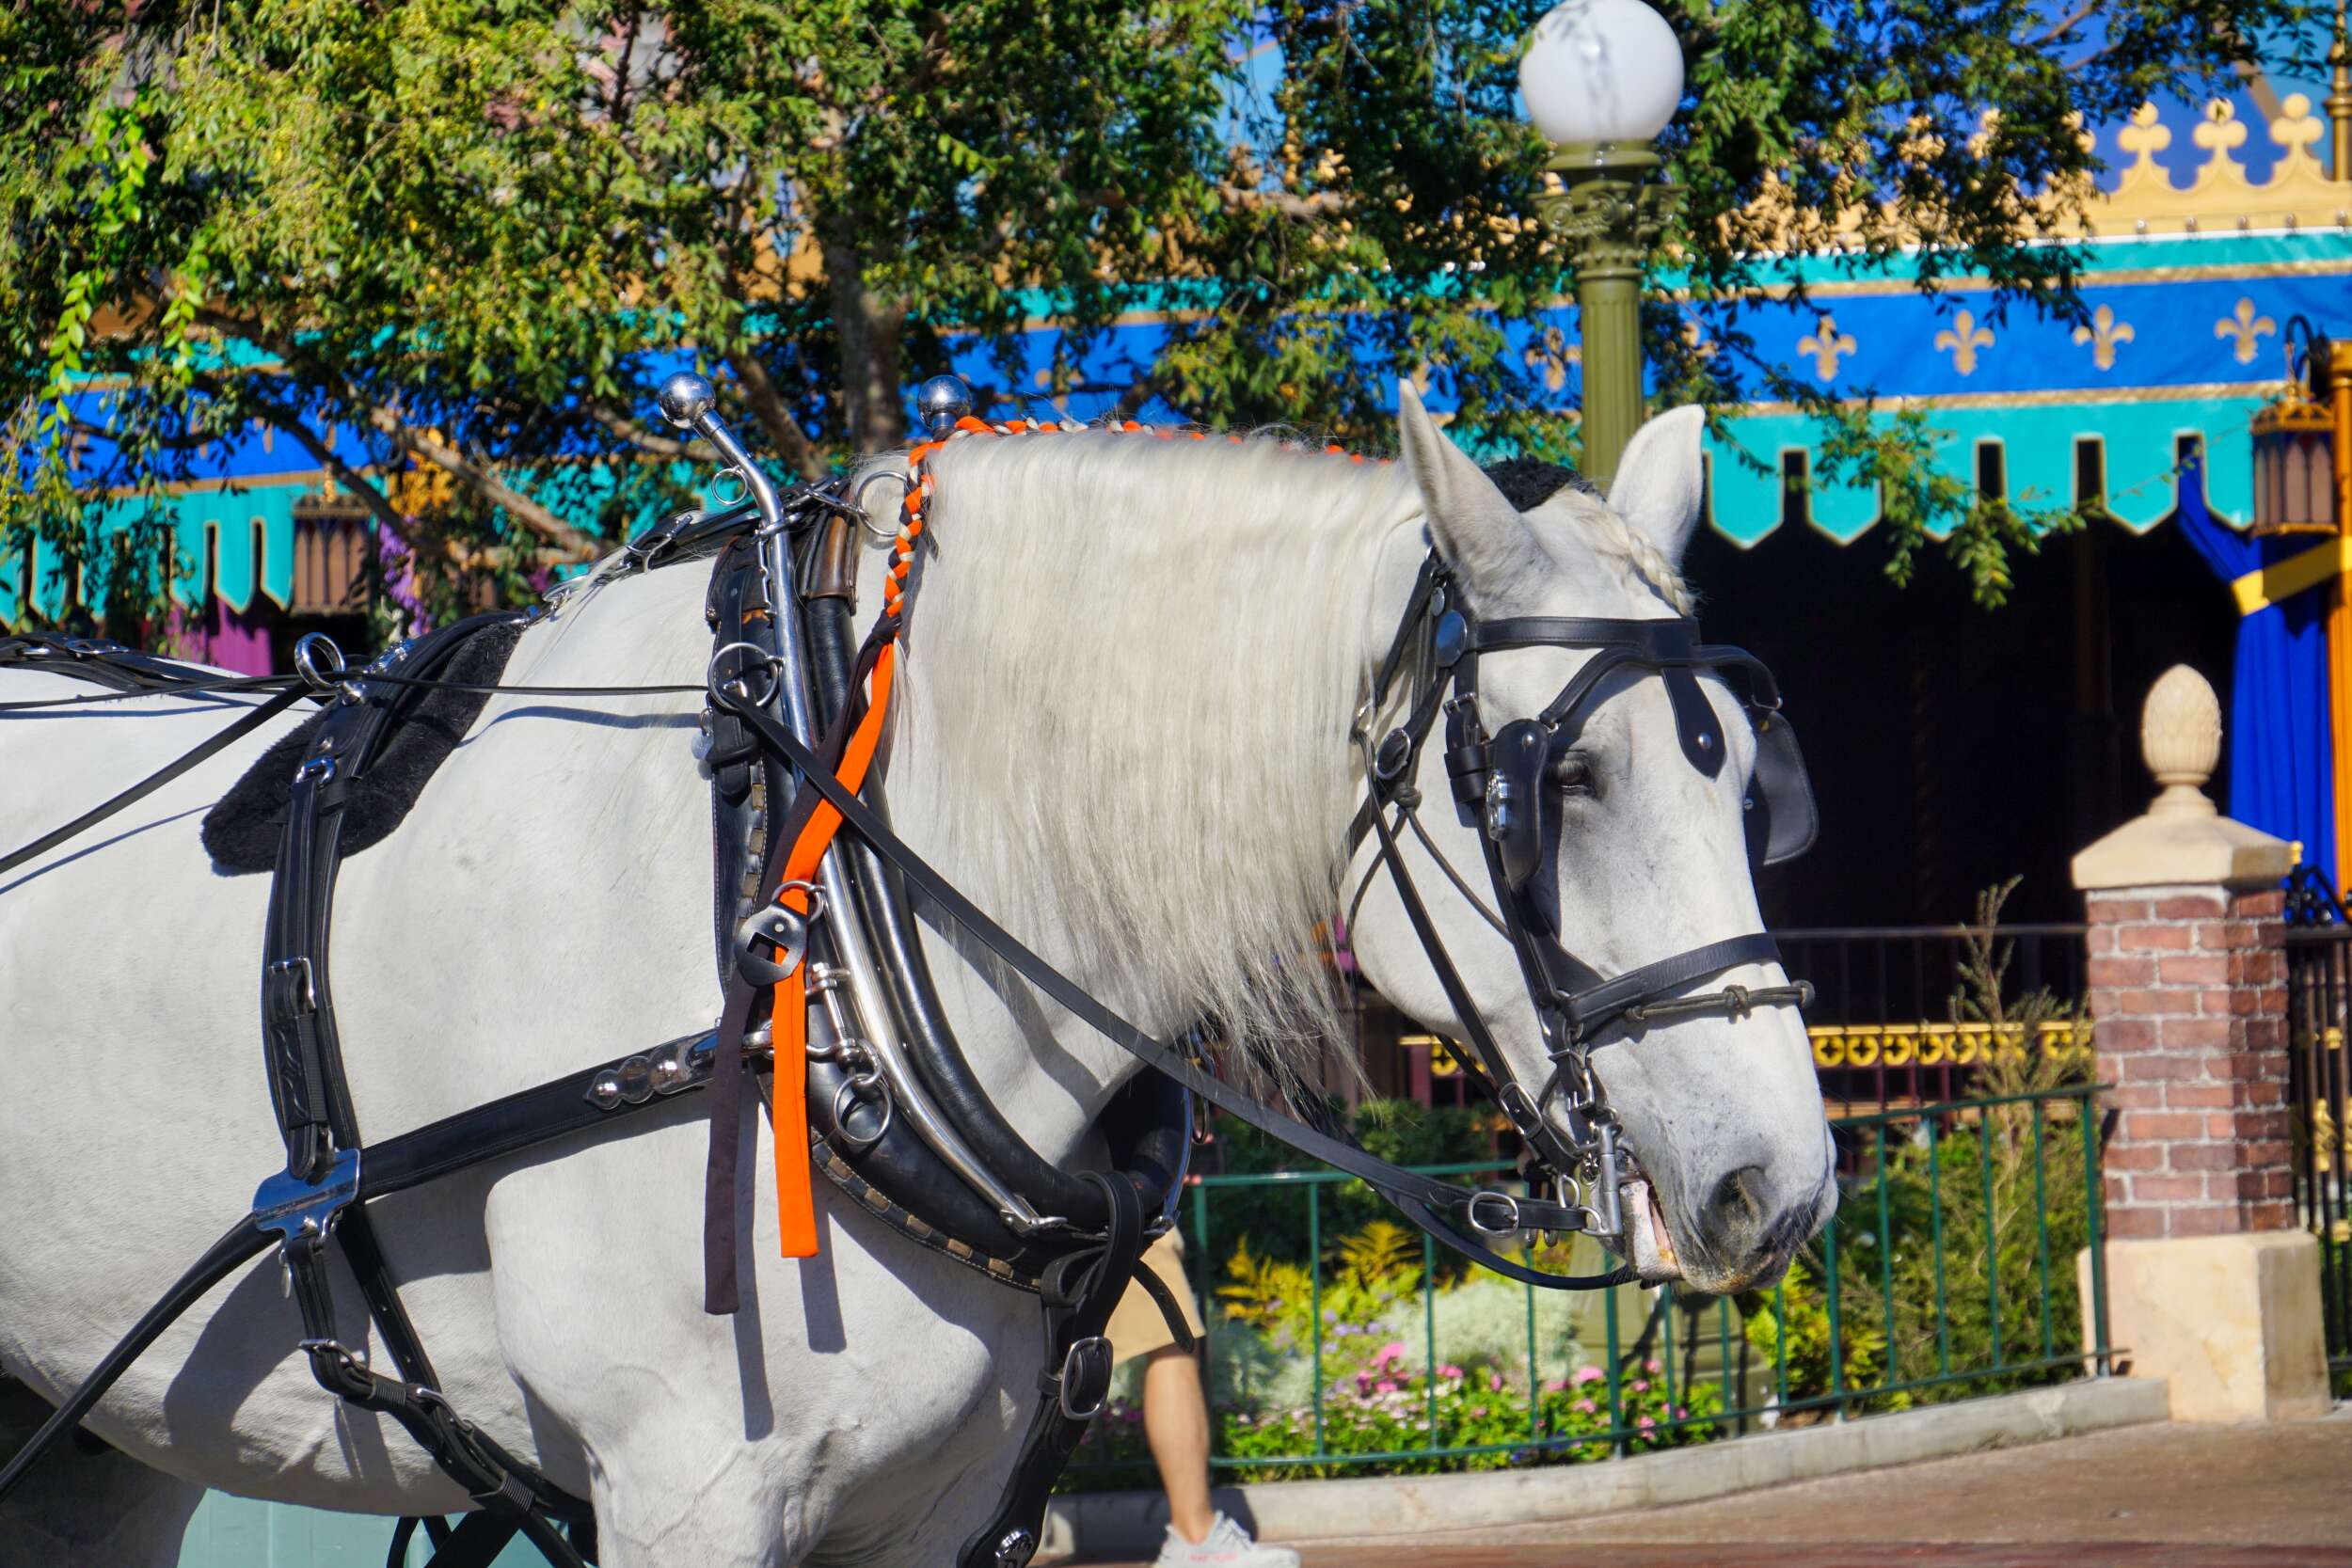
x,y
1506,1223
293,1207
860,1089
780,928
1016,1548
1497,817
312,651
316,769
824,977
773,662
666,1070
865,518
1089,1349
300,963
685,398
1389,759
941,400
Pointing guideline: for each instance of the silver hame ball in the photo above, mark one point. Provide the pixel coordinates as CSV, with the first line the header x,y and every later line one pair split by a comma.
x,y
941,400
684,398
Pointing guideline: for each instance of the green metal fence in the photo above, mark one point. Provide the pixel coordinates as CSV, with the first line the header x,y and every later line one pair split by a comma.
x,y
1951,1271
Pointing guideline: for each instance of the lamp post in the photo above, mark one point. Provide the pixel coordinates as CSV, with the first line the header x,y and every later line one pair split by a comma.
x,y
1601,78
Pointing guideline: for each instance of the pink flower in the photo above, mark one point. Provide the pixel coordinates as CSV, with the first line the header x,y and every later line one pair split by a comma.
x,y
1386,1385
1478,1413
1555,1385
1584,1407
1393,1350
1682,1411
1589,1374
1651,1367
1451,1371
1645,1423
1494,1383
1641,1386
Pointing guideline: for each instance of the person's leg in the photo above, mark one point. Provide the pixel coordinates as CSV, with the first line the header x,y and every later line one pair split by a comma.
x,y
1176,1424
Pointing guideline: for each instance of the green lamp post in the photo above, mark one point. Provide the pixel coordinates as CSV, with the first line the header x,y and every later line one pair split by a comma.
x,y
1601,78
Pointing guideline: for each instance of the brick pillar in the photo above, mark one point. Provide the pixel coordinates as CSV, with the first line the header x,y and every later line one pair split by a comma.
x,y
2211,1285
2189,987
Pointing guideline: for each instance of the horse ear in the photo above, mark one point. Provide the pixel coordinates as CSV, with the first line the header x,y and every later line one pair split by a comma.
x,y
1476,527
1661,479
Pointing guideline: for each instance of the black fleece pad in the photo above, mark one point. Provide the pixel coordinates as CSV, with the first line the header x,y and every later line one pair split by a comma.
x,y
241,832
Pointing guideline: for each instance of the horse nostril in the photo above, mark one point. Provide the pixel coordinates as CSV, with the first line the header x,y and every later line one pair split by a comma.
x,y
1733,1207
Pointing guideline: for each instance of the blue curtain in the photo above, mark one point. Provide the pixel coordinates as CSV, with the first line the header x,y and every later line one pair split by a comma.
x,y
2281,775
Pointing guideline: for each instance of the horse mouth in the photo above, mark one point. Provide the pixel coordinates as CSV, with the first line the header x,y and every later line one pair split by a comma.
x,y
1647,1245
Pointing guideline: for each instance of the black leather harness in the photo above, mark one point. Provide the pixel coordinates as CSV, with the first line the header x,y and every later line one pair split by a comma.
x,y
1072,1237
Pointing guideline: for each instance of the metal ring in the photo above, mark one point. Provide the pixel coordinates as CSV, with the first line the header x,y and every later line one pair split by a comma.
x,y
865,518
773,661
1511,1206
847,1090
815,911
717,503
309,649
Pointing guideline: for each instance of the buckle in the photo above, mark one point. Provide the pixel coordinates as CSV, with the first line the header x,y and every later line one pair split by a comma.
x,y
1506,1223
298,999
780,929
1090,1359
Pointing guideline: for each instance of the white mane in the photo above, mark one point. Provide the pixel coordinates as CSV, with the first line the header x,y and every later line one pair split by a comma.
x,y
1139,656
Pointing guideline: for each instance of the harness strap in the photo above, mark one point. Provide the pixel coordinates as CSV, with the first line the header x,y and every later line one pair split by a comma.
x,y
186,763
1079,1292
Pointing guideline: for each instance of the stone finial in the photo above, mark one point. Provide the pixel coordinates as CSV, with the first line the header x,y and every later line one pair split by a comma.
x,y
2180,736
2181,839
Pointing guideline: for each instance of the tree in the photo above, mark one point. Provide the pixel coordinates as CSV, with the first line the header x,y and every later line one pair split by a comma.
x,y
462,229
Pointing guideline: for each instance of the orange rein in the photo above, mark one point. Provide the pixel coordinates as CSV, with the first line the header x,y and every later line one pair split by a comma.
x,y
796,1212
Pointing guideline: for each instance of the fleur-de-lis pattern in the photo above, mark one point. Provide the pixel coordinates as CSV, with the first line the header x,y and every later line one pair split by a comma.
x,y
2102,334
1963,338
1826,345
2245,326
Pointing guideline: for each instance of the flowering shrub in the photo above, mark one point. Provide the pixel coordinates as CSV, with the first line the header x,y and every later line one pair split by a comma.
x,y
1391,1408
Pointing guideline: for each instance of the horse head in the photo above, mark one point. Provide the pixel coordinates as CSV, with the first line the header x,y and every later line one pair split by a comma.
x,y
1639,852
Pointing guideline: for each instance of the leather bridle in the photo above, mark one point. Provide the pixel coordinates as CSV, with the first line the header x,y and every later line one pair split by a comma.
x,y
1499,785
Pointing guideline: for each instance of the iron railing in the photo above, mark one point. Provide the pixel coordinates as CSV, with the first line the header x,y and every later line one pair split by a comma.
x,y
1950,1272
2319,999
1880,1018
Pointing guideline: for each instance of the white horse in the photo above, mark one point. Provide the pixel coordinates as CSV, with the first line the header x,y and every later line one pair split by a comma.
x,y
1132,671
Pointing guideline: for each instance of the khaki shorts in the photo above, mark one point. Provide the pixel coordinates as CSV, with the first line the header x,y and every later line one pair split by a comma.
x,y
1138,1326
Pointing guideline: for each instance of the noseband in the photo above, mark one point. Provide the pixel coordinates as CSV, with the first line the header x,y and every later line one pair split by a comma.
x,y
1501,786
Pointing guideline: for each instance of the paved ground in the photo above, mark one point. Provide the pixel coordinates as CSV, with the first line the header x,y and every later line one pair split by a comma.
x,y
2155,1496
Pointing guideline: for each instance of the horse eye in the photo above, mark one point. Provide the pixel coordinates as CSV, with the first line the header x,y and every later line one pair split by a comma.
x,y
1571,774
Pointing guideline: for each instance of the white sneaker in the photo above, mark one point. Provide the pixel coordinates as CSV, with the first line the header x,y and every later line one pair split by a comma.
x,y
1226,1545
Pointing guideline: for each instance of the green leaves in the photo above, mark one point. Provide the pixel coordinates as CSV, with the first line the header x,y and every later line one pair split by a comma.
x,y
492,222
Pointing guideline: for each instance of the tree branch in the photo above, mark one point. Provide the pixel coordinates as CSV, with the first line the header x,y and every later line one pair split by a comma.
x,y
775,420
629,430
488,485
